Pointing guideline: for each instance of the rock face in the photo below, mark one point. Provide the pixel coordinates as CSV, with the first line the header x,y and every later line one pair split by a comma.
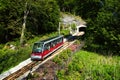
x,y
67,19
73,23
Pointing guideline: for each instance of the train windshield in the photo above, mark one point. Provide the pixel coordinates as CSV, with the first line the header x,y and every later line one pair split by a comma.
x,y
37,47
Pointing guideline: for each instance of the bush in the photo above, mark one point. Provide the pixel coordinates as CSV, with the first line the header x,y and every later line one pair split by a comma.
x,y
13,57
60,74
1,46
91,66
77,42
65,32
73,26
59,59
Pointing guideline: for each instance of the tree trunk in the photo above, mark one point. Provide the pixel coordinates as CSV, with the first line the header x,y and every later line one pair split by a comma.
x,y
22,33
22,38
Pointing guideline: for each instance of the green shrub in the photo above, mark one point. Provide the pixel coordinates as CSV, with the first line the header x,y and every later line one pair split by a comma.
x,y
92,66
1,46
63,56
1,53
58,60
73,26
13,57
65,32
77,42
60,74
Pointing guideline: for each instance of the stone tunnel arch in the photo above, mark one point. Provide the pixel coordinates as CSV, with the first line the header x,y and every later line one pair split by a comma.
x,y
81,28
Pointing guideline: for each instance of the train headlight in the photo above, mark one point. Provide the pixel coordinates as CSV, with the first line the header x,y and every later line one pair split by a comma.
x,y
40,57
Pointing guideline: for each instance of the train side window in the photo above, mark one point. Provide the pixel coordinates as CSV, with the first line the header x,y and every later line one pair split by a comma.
x,y
52,44
55,42
60,40
47,46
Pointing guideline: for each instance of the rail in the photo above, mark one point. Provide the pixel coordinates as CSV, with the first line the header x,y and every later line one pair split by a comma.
x,y
35,64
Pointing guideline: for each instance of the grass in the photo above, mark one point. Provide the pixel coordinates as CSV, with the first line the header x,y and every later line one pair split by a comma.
x,y
91,66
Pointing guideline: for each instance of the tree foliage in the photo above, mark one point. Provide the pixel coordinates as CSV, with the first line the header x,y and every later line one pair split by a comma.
x,y
10,19
103,31
43,17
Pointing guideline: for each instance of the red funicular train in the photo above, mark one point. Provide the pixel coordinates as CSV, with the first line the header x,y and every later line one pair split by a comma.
x,y
44,48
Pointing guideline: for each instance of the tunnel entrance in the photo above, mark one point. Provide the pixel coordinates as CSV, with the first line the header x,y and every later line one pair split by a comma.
x,y
82,29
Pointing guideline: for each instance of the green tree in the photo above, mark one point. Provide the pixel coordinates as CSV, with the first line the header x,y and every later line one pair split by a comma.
x,y
26,12
67,5
43,17
10,19
103,31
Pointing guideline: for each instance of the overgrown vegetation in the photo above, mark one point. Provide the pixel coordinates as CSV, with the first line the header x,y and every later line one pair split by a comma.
x,y
63,57
73,26
91,66
10,58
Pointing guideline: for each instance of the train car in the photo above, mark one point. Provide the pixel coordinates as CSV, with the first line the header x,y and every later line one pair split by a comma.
x,y
46,47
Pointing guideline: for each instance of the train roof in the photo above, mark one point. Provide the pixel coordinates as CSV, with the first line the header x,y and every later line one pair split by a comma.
x,y
49,39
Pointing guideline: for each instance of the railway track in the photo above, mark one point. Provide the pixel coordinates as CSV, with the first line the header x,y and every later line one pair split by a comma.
x,y
30,66
21,71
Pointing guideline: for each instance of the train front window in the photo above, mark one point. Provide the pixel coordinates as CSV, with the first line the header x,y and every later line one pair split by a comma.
x,y
37,47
